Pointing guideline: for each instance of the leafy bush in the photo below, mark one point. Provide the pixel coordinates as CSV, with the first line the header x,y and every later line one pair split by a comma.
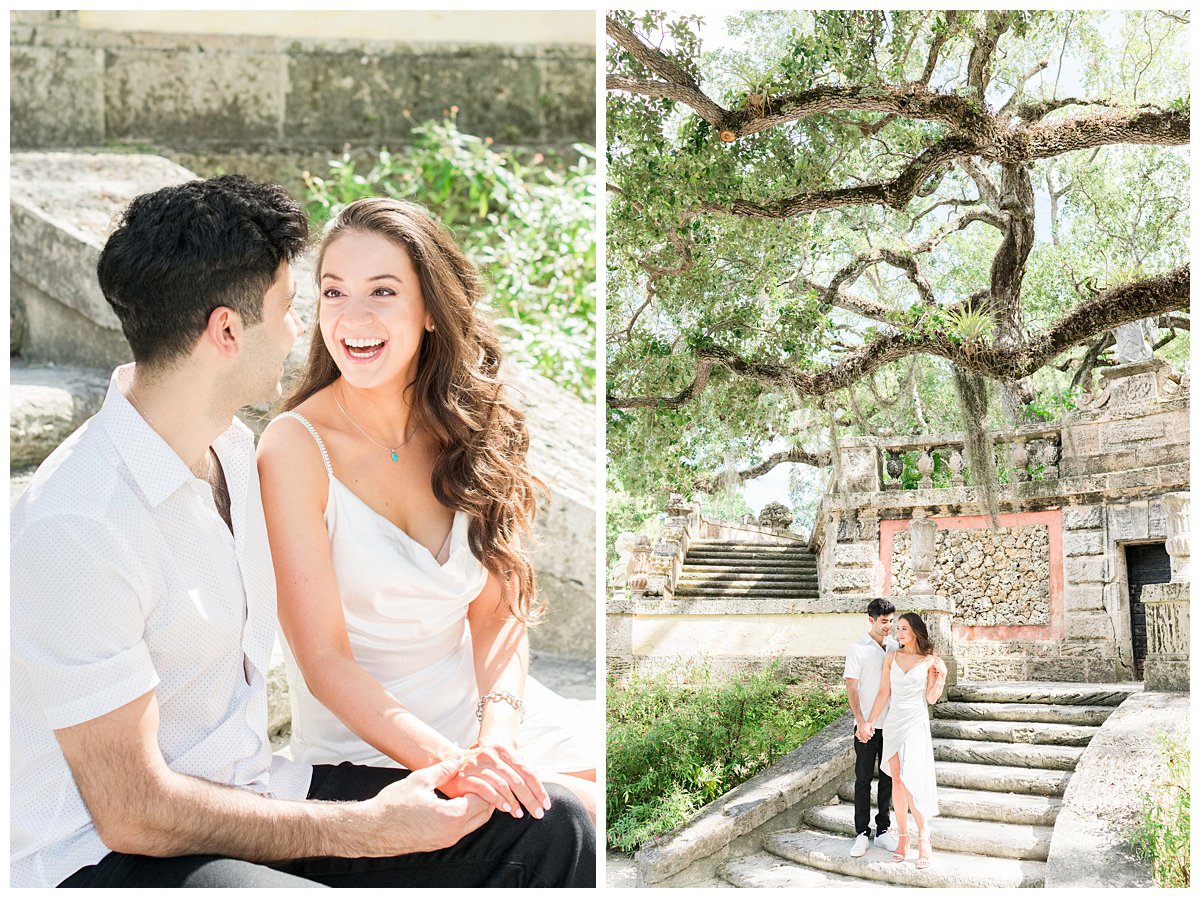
x,y
528,226
672,749
1163,836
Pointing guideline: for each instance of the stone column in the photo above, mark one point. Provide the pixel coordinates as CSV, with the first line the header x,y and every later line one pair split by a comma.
x,y
938,614
1168,607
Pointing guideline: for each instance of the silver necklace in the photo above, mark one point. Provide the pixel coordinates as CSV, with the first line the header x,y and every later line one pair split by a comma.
x,y
391,449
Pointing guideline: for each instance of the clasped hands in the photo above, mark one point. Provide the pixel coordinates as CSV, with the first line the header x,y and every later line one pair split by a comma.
x,y
496,773
864,731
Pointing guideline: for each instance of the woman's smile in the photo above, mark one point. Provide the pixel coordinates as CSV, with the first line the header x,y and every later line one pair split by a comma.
x,y
363,349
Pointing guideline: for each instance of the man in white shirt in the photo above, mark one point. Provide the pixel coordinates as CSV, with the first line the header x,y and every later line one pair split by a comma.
x,y
864,668
143,612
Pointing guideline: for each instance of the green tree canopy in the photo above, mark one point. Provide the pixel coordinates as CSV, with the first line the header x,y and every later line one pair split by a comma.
x,y
808,233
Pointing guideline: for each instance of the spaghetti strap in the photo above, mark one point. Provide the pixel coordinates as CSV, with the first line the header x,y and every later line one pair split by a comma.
x,y
316,436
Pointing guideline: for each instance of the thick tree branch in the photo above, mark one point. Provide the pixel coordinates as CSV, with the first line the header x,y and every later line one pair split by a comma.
x,y
935,47
1117,305
794,456
653,59
710,111
979,65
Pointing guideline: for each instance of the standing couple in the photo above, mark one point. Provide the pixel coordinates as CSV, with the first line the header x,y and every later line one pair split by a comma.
x,y
891,681
396,503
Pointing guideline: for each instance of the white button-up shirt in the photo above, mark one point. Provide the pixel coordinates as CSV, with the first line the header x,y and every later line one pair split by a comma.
x,y
125,579
864,662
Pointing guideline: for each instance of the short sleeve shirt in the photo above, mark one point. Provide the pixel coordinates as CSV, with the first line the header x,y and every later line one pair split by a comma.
x,y
864,662
125,579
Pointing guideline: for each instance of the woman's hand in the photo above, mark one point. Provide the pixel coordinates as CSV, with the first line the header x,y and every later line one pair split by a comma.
x,y
496,773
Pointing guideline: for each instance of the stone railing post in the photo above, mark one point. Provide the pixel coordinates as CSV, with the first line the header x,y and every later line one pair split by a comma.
x,y
639,567
619,578
1168,607
666,561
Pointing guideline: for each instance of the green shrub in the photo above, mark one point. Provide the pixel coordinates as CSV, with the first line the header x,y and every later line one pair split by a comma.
x,y
1163,836
672,749
530,228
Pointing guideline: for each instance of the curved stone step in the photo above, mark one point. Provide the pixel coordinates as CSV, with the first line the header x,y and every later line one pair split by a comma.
x,y
949,869
1080,715
1046,757
1013,731
977,804
1002,778
1044,693
1021,841
768,871
758,567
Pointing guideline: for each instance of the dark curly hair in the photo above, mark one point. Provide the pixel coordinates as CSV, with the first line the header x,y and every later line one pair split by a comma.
x,y
180,252
458,397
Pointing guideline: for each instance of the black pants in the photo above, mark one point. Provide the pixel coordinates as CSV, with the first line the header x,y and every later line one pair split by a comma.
x,y
558,850
867,755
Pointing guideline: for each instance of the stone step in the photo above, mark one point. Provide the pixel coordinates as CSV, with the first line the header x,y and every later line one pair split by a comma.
x,y
761,567
1080,715
1013,731
740,546
710,554
960,834
703,576
977,804
831,853
768,871
46,404
1002,778
1044,693
1045,757
754,592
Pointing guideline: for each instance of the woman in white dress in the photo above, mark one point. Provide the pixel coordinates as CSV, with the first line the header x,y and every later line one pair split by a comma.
x,y
398,505
912,678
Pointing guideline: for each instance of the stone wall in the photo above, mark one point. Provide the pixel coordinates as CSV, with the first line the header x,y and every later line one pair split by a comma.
x,y
239,102
998,578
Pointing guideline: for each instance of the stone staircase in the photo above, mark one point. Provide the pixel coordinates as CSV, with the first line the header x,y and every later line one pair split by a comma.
x,y
724,569
1003,753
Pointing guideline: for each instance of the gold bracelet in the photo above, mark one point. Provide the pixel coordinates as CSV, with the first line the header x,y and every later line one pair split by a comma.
x,y
500,695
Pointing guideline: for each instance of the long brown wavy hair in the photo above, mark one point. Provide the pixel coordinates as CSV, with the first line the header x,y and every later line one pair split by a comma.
x,y
480,437
920,631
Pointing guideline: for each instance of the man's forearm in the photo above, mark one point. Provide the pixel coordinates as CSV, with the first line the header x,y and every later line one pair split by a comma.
x,y
179,815
852,695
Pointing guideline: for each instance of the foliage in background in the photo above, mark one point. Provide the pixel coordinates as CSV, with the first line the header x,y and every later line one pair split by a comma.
x,y
1164,834
672,749
528,226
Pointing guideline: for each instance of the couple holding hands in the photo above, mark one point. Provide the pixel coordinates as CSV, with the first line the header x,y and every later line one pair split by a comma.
x,y
384,525
892,676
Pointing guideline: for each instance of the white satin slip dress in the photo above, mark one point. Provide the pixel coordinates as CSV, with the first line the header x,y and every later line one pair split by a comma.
x,y
907,734
406,619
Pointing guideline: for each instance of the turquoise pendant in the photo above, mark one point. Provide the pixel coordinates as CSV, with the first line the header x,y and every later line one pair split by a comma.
x,y
394,456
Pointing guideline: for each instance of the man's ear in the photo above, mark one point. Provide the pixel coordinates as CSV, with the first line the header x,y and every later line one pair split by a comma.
x,y
225,330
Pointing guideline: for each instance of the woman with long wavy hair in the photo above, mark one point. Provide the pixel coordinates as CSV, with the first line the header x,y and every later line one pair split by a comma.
x,y
913,678
399,505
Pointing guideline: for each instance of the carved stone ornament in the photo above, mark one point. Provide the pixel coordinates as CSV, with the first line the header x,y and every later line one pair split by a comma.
x,y
923,534
1179,517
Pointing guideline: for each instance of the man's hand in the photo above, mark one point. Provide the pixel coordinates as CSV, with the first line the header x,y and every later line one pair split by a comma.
x,y
863,731
409,817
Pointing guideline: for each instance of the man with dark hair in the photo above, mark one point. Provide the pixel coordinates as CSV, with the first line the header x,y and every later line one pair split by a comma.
x,y
143,612
864,668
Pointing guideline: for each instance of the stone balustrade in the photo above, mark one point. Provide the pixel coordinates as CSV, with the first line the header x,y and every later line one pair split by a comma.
x,y
1021,455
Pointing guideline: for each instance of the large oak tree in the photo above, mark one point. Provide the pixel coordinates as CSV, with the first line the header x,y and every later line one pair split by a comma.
x,y
807,234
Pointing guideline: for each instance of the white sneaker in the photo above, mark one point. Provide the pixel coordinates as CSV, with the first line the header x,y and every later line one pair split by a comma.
x,y
887,839
860,845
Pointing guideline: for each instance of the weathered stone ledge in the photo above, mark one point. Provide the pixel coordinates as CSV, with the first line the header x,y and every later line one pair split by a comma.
x,y
809,775
832,604
1089,848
